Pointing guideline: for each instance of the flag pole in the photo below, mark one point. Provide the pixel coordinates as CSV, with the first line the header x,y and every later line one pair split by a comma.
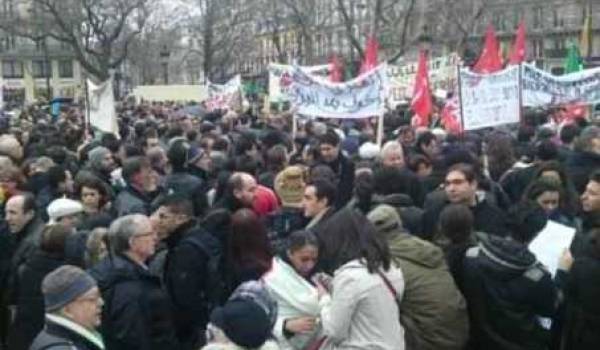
x,y
87,109
462,120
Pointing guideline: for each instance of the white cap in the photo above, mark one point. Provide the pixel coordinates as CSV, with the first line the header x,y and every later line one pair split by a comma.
x,y
368,150
63,207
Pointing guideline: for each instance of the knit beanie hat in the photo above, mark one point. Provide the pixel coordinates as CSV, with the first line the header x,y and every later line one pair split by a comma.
x,y
289,185
244,322
96,156
64,285
61,207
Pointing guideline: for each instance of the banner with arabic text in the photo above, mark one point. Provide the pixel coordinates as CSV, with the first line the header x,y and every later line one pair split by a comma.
x,y
541,88
361,97
488,100
280,79
226,96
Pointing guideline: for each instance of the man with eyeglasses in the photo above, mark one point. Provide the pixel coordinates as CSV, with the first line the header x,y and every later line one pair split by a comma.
x,y
137,314
461,187
73,309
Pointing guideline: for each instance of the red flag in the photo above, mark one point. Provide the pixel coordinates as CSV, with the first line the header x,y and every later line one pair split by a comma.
x,y
490,60
517,54
451,116
336,69
421,103
370,59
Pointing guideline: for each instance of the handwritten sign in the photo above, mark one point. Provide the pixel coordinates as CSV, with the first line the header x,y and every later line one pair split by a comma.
x,y
489,100
280,79
359,98
544,89
226,96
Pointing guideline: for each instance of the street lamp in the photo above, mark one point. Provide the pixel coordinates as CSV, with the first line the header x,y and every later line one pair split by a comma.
x,y
425,40
164,58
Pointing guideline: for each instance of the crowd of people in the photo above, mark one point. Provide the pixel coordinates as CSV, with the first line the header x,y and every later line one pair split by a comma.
x,y
228,231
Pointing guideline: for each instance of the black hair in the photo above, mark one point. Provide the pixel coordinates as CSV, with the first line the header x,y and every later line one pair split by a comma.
x,y
300,239
390,181
468,170
28,202
527,219
539,186
245,143
132,166
324,189
416,161
178,204
595,177
424,139
323,172
546,150
246,164
111,142
178,155
456,222
568,133
329,138
348,236
56,175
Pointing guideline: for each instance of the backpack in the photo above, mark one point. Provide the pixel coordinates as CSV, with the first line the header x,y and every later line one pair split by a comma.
x,y
216,288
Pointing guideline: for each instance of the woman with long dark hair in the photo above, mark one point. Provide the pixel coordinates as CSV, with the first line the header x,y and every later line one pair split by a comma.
x,y
249,250
360,305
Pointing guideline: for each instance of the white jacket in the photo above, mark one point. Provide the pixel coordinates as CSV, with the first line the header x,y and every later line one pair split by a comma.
x,y
295,297
361,312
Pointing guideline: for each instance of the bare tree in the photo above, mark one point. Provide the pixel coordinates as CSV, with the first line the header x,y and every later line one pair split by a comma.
x,y
397,19
457,21
99,32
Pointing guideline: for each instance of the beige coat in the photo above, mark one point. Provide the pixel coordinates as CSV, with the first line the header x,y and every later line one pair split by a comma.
x,y
361,312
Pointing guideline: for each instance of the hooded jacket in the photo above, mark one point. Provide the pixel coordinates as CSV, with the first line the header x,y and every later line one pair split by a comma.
x,y
433,311
507,291
136,314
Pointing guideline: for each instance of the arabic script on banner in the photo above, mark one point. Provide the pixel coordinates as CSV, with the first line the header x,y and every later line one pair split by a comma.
x,y
489,100
226,96
359,98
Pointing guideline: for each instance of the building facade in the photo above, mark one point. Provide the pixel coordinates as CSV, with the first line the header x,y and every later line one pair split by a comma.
x,y
35,70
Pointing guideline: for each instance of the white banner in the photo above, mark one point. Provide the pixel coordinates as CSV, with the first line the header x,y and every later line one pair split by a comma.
x,y
359,98
226,96
103,115
442,76
489,100
544,89
280,79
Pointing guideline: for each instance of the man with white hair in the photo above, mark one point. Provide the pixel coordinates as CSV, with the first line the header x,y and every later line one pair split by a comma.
x,y
392,157
137,314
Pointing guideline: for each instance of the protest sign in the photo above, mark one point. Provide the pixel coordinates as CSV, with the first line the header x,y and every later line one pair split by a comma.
x,y
280,79
226,96
489,100
544,89
359,98
401,79
103,115
549,244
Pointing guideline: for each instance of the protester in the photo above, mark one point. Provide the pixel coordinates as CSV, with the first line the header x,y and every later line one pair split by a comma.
x,y
318,201
191,273
432,310
29,311
331,155
73,304
289,282
359,307
507,290
137,314
134,199
590,204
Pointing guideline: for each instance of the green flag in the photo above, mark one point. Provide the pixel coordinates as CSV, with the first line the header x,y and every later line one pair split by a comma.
x,y
573,61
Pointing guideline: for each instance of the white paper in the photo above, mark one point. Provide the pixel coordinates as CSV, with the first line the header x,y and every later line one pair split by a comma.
x,y
549,244
103,115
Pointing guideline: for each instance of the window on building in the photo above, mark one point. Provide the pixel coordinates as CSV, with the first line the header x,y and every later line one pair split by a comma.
x,y
538,17
12,69
65,69
40,69
558,21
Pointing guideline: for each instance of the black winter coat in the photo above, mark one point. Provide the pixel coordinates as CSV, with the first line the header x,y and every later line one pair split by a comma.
x,y
131,201
136,313
506,291
582,305
487,218
189,186
580,166
58,337
29,318
344,170
187,276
